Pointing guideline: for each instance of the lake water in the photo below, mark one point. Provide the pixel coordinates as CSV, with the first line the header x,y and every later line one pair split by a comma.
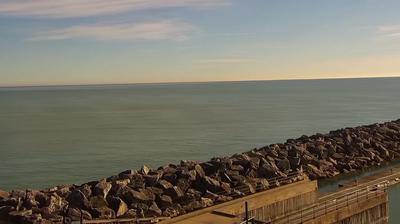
x,y
53,135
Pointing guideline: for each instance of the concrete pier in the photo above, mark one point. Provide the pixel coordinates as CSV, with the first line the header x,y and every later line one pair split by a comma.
x,y
266,204
364,201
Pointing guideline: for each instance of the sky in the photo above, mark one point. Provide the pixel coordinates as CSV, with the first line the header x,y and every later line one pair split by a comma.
x,y
48,42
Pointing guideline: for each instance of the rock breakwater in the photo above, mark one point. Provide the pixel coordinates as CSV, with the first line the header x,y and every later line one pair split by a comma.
x,y
176,189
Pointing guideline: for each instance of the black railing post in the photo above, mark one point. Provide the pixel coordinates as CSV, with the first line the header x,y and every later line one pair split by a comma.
x,y
301,215
313,211
81,221
357,196
246,212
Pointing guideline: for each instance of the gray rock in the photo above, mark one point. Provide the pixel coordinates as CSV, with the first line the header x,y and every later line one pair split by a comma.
x,y
149,194
4,194
4,210
151,180
19,216
283,164
164,184
78,200
86,190
174,192
102,188
14,202
130,214
170,212
211,184
136,197
183,184
199,171
103,213
164,201
193,206
118,205
98,202
206,202
141,208
145,170
137,182
154,210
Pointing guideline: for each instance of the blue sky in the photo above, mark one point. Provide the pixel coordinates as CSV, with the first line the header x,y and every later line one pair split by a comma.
x,y
47,42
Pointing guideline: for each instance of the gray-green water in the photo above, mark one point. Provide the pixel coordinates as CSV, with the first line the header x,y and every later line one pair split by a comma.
x,y
53,135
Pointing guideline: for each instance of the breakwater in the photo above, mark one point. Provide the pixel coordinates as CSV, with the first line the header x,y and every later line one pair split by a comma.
x,y
176,189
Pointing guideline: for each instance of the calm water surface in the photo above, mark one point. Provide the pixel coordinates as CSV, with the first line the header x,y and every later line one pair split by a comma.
x,y
53,135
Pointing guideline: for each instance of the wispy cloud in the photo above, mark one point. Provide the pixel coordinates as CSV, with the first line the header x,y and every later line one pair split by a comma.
x,y
227,60
85,8
390,31
159,30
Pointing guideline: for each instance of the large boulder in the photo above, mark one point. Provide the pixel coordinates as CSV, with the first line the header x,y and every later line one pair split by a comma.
x,y
118,205
154,210
75,214
14,202
56,203
190,175
78,200
148,192
41,198
130,214
102,188
103,213
283,165
174,192
165,184
19,216
211,184
133,196
127,174
164,201
30,203
170,212
86,190
206,202
193,206
145,170
199,171
267,170
137,182
98,202
294,162
183,184
4,194
314,172
151,180
63,190
4,210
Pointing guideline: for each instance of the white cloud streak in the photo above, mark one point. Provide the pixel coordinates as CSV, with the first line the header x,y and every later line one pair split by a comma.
x,y
227,60
391,31
152,31
87,8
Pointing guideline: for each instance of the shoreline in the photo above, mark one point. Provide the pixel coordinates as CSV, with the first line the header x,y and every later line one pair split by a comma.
x,y
191,82
174,190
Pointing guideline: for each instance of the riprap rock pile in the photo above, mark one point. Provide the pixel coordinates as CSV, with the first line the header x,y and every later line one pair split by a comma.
x,y
176,189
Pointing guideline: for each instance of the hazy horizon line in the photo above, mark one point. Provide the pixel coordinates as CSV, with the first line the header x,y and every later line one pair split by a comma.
x,y
192,82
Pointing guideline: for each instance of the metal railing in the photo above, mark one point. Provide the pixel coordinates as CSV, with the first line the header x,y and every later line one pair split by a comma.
x,y
324,207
